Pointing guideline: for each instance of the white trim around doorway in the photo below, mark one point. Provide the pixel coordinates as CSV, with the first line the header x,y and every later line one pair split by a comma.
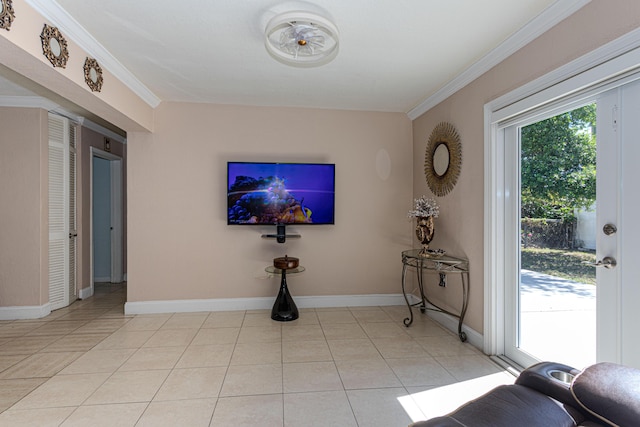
x,y
117,216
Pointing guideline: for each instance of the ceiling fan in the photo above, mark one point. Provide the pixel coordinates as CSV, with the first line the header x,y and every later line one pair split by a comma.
x,y
301,39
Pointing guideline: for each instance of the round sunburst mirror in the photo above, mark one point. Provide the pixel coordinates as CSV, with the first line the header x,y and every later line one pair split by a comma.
x,y
54,46
6,14
443,159
93,74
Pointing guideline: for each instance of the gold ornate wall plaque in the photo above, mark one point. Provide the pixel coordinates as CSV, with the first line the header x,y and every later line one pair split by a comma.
x,y
54,46
93,74
6,14
443,159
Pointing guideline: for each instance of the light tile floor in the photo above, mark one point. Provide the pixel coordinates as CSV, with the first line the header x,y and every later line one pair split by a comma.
x,y
90,365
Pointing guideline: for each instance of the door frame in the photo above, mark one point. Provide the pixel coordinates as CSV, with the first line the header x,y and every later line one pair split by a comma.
x,y
117,238
601,69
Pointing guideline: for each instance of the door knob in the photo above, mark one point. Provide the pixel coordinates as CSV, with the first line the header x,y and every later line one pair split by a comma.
x,y
606,262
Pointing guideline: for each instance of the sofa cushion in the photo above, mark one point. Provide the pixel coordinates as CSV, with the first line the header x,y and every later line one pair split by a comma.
x,y
610,392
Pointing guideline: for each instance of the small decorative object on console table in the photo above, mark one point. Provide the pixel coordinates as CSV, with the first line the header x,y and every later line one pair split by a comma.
x,y
284,309
443,265
286,262
425,210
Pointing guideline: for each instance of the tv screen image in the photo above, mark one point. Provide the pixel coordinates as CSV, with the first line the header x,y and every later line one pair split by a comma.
x,y
280,193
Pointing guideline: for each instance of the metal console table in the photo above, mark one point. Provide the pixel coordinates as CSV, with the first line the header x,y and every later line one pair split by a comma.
x,y
441,265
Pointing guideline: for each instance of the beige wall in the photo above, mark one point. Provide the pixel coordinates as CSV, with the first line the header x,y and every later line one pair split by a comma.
x,y
180,246
24,273
24,256
460,227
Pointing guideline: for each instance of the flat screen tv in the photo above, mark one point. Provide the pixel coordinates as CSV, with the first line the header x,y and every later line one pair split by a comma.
x,y
280,193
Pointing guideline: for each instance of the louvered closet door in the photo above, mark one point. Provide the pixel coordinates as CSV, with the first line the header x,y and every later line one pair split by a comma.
x,y
62,237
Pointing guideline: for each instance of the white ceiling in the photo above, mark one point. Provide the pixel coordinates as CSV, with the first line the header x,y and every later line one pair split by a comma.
x,y
394,54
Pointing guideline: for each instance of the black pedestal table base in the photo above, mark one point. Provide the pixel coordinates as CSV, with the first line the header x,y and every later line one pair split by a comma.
x,y
284,309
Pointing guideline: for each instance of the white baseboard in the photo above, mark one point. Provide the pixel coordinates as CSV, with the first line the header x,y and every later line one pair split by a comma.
x,y
228,304
450,323
85,292
103,279
474,338
26,312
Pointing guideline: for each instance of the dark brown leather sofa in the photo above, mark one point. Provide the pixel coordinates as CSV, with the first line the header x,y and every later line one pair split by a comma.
x,y
552,394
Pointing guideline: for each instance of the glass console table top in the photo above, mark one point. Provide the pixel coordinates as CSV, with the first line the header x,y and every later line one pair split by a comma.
x,y
273,270
444,262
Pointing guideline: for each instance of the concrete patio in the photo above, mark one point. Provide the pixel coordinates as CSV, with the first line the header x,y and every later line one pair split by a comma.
x,y
558,319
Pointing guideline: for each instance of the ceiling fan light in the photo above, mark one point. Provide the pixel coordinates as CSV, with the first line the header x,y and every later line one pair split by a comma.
x,y
302,39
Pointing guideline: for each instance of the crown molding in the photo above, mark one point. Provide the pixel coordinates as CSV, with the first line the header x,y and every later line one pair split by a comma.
x,y
548,18
52,11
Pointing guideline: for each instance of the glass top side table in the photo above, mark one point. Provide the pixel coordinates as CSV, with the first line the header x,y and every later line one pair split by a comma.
x,y
442,265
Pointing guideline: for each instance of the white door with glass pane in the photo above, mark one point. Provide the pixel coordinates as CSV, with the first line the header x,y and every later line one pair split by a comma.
x,y
566,318
618,229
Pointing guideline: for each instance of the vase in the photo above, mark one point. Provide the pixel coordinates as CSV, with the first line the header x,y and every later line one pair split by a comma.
x,y
424,232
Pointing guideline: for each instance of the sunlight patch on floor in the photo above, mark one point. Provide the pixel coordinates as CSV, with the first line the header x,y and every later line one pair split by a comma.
x,y
440,401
